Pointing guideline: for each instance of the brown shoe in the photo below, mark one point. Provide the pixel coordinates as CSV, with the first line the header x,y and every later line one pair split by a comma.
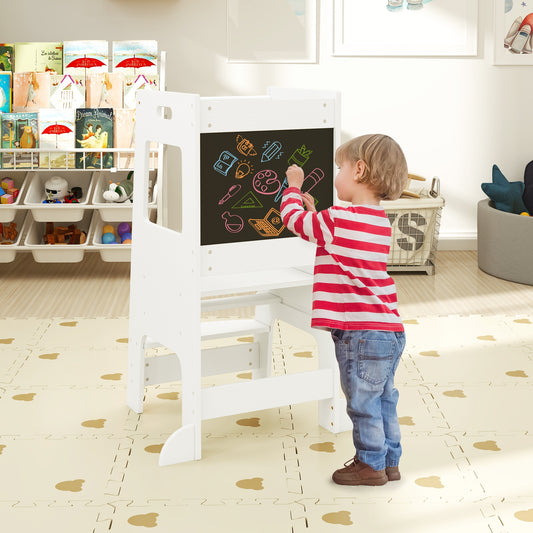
x,y
357,473
393,473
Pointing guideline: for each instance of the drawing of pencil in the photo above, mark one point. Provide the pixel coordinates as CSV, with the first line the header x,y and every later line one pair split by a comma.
x,y
271,151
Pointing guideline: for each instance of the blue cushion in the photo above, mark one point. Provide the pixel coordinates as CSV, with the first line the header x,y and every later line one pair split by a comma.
x,y
506,195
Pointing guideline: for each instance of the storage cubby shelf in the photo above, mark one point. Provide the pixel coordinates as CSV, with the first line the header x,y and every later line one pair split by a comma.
x,y
90,214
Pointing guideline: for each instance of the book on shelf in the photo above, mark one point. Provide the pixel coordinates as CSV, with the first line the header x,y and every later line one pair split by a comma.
x,y
141,82
56,134
39,57
67,91
104,89
135,57
124,136
6,57
5,92
94,131
19,131
31,91
82,57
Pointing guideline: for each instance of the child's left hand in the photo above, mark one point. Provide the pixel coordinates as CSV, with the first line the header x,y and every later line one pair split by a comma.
x,y
295,176
309,202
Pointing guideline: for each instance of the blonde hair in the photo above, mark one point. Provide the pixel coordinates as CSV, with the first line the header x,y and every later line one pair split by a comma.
x,y
385,165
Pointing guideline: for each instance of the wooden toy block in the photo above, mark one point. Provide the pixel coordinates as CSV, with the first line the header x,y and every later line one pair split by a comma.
x,y
7,184
61,230
14,192
75,238
6,199
63,234
10,232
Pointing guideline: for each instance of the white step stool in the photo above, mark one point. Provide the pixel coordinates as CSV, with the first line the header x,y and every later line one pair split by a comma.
x,y
171,274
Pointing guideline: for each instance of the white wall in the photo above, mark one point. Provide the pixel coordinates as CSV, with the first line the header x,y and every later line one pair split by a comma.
x,y
454,117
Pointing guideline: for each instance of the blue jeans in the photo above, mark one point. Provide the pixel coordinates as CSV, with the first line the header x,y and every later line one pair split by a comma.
x,y
367,363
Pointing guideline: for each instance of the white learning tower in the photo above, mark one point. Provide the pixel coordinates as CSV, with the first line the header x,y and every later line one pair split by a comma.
x,y
173,275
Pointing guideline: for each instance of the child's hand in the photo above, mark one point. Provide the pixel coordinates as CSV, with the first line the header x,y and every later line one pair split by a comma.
x,y
309,202
295,176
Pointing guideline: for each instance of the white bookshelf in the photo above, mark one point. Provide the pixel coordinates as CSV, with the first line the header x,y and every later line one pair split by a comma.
x,y
30,214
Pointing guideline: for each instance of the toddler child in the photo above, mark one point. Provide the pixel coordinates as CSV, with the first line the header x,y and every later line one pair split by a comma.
x,y
354,297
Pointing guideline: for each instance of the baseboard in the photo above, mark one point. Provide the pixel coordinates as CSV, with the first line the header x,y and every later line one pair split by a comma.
x,y
457,241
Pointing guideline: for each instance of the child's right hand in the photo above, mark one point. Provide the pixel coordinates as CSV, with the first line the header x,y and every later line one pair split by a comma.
x,y
295,176
309,202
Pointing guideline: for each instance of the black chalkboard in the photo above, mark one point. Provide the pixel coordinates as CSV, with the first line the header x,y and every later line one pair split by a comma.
x,y
243,178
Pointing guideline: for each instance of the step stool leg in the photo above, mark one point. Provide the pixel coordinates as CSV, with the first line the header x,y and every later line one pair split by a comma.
x,y
185,444
264,314
264,340
135,386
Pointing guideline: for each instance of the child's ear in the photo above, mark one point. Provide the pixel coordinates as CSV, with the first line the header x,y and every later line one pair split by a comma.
x,y
359,169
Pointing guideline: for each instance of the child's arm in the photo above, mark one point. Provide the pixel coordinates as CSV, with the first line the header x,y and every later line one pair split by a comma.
x,y
309,225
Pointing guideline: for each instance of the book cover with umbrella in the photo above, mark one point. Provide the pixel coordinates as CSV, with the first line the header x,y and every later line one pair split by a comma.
x,y
67,91
82,57
104,89
135,57
31,91
56,133
94,131
19,131
39,57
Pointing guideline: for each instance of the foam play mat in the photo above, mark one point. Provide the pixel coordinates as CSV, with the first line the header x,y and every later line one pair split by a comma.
x,y
74,457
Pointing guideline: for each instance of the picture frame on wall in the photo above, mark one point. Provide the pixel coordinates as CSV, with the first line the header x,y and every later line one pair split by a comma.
x,y
405,27
513,32
277,31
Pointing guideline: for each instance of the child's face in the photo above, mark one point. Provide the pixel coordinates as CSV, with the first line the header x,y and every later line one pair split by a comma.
x,y
345,180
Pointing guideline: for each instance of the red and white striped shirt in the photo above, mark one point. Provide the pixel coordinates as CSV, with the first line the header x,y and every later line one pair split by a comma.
x,y
351,290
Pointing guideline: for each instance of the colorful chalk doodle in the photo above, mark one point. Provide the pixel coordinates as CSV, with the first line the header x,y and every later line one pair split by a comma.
x,y
224,162
272,149
312,179
266,182
243,169
244,173
245,146
269,226
300,156
248,201
233,223
232,191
